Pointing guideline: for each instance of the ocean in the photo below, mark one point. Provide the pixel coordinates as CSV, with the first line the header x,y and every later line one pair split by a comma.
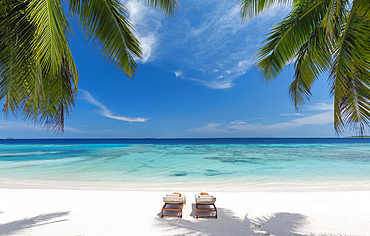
x,y
224,162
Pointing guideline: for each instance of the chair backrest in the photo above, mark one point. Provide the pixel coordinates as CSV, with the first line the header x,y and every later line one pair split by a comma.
x,y
205,199
173,199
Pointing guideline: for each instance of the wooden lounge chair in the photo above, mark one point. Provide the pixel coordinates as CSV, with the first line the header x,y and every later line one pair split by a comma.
x,y
205,203
173,203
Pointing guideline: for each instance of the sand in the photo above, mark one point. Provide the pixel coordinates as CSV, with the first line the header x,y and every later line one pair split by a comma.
x,y
72,212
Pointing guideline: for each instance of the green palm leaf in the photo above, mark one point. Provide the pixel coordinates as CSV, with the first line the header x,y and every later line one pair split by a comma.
x,y
350,75
16,57
252,8
320,36
105,23
286,38
169,7
38,76
313,58
51,33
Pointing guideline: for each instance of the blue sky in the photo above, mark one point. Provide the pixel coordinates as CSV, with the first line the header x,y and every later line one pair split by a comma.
x,y
197,79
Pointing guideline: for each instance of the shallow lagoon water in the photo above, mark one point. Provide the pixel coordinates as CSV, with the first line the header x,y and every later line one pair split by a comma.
x,y
186,160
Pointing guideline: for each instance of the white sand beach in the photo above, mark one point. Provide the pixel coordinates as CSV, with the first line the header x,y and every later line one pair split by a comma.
x,y
46,211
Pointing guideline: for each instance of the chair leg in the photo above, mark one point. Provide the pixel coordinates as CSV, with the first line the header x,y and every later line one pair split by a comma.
x,y
164,206
215,210
182,205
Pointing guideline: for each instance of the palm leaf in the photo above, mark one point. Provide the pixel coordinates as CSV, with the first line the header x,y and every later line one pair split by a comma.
x,y
333,18
169,7
16,57
251,8
105,23
52,29
23,72
321,35
350,75
314,57
285,39
362,8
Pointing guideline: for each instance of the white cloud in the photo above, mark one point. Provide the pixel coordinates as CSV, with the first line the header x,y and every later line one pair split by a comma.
x,y
216,47
216,84
147,45
246,64
15,125
319,119
147,22
321,107
223,84
69,128
24,126
238,122
292,114
178,73
106,112
203,44
211,127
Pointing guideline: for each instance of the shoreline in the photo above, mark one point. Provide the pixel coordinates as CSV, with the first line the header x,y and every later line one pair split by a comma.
x,y
260,186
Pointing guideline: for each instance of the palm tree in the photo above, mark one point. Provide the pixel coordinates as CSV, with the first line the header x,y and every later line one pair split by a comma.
x,y
321,36
38,76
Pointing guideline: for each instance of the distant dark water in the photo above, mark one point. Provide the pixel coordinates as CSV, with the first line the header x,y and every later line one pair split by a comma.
x,y
192,141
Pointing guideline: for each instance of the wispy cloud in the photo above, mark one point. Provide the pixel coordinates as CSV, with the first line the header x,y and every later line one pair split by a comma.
x,y
72,129
219,83
318,119
24,126
321,107
104,111
218,48
325,116
178,73
16,125
211,47
292,114
238,122
211,127
147,22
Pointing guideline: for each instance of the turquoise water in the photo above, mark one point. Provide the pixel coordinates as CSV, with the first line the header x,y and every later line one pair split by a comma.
x,y
169,162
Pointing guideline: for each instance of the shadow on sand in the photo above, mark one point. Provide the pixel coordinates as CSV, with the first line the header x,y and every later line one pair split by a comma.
x,y
279,224
26,223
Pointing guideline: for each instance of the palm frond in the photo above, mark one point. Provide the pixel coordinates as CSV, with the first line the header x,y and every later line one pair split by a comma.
x,y
362,8
105,23
23,72
314,57
38,76
333,18
285,39
355,106
52,30
16,56
60,95
169,7
322,35
251,8
350,75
